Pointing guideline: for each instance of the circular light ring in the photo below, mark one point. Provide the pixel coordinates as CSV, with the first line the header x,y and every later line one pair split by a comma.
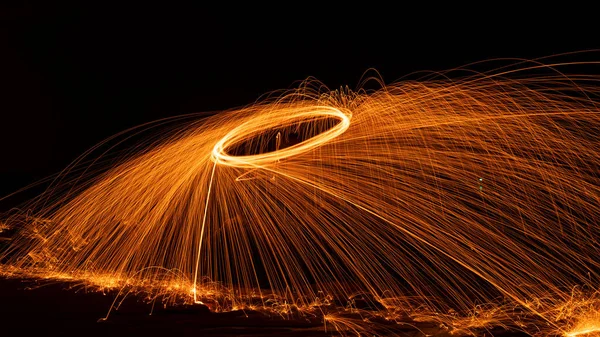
x,y
281,118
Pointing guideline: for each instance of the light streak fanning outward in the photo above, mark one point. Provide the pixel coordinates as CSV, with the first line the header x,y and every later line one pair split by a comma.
x,y
472,203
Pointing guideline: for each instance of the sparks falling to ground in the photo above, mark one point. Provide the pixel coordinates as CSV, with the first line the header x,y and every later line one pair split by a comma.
x,y
472,203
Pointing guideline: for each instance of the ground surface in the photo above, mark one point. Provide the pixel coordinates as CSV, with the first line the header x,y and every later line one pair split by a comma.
x,y
54,310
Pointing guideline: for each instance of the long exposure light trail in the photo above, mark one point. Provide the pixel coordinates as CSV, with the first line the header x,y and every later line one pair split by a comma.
x,y
469,202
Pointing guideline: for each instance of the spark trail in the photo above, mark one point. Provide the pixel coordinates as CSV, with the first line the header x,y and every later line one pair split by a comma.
x,y
471,202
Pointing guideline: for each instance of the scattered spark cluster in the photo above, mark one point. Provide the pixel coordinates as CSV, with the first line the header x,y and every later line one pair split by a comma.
x,y
3,227
471,203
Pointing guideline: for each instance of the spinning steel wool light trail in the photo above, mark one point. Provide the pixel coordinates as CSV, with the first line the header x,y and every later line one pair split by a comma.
x,y
470,202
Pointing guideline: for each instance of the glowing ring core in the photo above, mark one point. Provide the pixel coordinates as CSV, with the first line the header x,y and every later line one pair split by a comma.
x,y
254,127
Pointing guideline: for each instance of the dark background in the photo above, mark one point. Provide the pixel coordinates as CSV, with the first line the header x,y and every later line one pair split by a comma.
x,y
70,76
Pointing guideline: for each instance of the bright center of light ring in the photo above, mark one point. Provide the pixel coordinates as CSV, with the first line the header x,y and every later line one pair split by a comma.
x,y
279,119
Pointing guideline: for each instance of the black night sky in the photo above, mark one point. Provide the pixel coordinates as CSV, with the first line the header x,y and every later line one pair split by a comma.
x,y
72,76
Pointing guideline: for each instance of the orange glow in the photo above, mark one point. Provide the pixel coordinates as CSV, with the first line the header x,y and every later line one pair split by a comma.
x,y
588,325
4,227
470,203
284,117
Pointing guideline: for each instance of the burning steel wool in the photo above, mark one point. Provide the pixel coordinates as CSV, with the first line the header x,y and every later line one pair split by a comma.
x,y
472,203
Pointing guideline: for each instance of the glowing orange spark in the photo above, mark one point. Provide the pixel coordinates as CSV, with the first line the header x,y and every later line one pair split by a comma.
x,y
295,205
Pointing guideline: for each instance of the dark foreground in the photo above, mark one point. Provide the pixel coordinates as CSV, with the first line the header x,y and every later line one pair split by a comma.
x,y
30,309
